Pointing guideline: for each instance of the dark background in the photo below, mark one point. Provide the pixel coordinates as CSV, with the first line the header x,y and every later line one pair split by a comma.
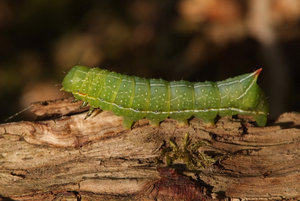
x,y
194,40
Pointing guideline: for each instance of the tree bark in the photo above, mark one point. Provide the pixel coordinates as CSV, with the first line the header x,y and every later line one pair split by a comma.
x,y
65,156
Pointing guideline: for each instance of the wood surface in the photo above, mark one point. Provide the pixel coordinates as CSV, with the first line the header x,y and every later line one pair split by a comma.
x,y
65,156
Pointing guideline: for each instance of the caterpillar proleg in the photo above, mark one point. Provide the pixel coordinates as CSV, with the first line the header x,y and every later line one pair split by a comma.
x,y
135,98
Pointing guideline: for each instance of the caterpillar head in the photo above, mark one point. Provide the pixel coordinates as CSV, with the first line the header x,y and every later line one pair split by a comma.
x,y
73,80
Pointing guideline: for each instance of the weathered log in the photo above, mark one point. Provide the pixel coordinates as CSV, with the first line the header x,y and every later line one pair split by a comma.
x,y
66,156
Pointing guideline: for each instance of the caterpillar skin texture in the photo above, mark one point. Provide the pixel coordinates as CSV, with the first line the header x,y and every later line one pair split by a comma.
x,y
135,98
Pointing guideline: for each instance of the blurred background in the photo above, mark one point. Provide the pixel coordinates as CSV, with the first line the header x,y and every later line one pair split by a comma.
x,y
194,40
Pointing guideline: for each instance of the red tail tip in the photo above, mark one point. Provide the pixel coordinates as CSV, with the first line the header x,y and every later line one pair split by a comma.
x,y
257,72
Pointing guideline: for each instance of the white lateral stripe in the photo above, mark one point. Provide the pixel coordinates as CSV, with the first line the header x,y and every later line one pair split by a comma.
x,y
183,111
140,83
236,81
202,85
180,85
157,85
112,76
129,81
179,111
246,91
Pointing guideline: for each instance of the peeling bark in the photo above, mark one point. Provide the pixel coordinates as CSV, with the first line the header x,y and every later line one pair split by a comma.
x,y
67,157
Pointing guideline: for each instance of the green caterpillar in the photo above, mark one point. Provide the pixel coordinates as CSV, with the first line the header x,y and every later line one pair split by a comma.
x,y
135,98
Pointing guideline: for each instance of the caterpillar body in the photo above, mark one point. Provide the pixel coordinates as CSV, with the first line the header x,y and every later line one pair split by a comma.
x,y
135,98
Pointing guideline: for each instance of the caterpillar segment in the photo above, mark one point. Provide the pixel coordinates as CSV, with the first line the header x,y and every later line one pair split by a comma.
x,y
136,98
